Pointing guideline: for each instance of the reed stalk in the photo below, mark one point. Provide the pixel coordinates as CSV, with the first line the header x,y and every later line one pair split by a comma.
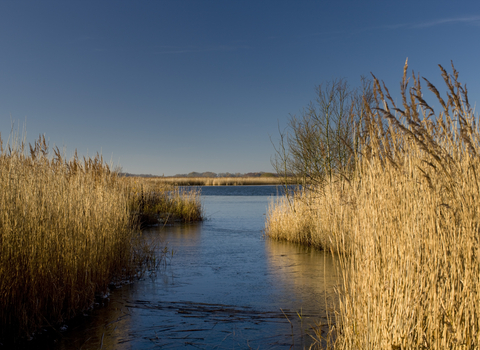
x,y
67,231
154,202
406,228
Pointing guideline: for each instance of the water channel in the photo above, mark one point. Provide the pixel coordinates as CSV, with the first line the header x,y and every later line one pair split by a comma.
x,y
226,287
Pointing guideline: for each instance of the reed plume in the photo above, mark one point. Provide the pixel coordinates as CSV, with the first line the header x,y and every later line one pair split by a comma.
x,y
65,233
406,227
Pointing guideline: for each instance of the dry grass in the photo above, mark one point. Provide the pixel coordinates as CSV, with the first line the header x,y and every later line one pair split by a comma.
x,y
220,181
155,201
67,230
293,219
311,218
65,233
407,227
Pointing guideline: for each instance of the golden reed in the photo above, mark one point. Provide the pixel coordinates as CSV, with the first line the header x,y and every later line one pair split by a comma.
x,y
154,201
405,226
65,233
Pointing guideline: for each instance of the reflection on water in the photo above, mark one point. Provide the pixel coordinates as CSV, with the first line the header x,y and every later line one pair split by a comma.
x,y
225,287
308,272
309,276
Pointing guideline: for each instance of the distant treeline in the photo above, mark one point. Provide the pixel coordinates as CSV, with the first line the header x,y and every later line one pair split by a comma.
x,y
210,174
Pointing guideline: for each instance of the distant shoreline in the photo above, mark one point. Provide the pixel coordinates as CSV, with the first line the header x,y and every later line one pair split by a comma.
x,y
221,181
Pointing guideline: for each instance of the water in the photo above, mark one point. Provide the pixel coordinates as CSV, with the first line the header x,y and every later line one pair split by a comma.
x,y
226,287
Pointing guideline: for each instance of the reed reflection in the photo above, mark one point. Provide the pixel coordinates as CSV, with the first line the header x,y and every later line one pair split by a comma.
x,y
309,276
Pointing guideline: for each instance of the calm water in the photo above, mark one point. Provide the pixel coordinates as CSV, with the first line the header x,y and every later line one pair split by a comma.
x,y
226,287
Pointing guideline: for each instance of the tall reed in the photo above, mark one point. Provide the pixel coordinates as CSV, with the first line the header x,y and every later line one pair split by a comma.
x,y
406,225
311,217
65,234
154,202
294,219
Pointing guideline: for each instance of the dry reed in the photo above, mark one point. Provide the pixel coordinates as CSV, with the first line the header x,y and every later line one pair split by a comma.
x,y
154,202
311,218
66,232
293,219
407,226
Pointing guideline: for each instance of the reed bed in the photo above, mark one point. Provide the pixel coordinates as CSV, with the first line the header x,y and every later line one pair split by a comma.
x,y
312,217
294,219
69,228
154,202
406,226
65,234
220,181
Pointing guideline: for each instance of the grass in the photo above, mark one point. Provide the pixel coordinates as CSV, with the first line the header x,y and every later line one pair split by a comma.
x,y
405,226
220,181
294,219
67,230
154,202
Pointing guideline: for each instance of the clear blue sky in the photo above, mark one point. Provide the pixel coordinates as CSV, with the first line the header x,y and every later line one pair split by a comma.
x,y
167,87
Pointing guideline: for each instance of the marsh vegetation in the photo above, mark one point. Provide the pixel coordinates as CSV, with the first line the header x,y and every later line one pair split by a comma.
x,y
156,202
391,190
68,228
403,218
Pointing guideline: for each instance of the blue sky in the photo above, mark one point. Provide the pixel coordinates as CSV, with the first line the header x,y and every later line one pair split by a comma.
x,y
167,87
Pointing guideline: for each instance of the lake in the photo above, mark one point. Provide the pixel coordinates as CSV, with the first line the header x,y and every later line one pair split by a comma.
x,y
225,287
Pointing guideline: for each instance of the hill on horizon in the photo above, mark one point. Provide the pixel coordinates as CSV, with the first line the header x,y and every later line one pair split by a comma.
x,y
210,174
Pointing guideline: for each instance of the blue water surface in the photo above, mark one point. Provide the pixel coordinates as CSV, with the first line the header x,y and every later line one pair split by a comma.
x,y
225,287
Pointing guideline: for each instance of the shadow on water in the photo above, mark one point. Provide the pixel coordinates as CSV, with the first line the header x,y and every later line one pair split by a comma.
x,y
225,287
